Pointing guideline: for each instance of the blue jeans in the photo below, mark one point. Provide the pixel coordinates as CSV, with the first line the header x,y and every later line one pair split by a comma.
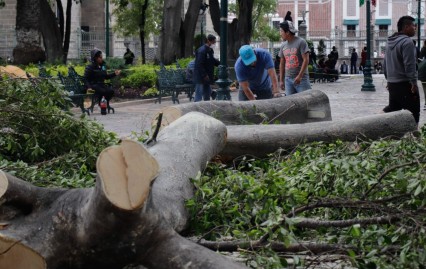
x,y
260,94
202,92
291,88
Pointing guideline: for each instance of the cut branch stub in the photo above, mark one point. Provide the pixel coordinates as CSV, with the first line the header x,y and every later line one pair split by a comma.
x,y
15,255
125,170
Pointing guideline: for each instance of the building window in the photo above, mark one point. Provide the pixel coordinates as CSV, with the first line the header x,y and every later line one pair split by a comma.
x,y
351,30
383,30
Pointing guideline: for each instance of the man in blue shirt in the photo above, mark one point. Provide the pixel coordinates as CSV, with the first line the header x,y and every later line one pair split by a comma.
x,y
256,75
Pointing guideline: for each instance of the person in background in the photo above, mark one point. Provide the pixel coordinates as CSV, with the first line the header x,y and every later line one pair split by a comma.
x,y
277,63
344,68
354,59
417,50
400,69
256,74
95,75
423,51
334,55
189,72
128,56
363,58
294,56
288,16
204,69
312,57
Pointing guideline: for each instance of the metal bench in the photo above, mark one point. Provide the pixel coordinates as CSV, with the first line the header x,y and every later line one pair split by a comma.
x,y
77,92
171,82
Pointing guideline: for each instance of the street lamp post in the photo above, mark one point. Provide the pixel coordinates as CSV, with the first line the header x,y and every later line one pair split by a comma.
x,y
223,81
107,28
368,78
419,16
203,9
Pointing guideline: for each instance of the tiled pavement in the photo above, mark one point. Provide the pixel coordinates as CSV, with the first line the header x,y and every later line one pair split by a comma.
x,y
346,99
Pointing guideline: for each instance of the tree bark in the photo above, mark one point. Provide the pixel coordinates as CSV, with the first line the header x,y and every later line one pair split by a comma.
x,y
239,30
308,106
127,218
261,140
188,28
28,35
142,31
169,44
67,34
37,33
52,38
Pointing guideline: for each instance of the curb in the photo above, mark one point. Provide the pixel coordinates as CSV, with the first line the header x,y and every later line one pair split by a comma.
x,y
76,110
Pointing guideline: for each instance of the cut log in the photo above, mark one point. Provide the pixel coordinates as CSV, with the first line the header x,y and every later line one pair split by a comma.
x,y
308,106
261,140
131,216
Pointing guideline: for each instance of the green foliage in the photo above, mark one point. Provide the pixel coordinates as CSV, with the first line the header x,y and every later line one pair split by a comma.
x,y
141,75
261,26
151,92
384,178
114,63
183,62
129,17
41,142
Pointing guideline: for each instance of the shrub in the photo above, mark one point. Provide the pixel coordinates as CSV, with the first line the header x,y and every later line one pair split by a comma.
x,y
138,76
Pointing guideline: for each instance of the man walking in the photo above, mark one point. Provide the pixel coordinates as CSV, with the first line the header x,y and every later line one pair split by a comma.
x,y
294,56
354,59
400,69
256,74
204,69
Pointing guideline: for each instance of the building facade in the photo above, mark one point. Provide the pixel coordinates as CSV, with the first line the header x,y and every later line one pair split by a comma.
x,y
340,23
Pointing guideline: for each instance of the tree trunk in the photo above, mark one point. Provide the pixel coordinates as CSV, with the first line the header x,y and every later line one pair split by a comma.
x,y
169,44
52,38
261,140
189,24
61,18
28,35
142,30
308,106
67,32
239,30
131,216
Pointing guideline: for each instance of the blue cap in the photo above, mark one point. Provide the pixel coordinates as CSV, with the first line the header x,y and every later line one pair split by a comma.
x,y
247,55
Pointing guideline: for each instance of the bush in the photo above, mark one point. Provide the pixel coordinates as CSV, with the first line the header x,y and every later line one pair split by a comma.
x,y
138,76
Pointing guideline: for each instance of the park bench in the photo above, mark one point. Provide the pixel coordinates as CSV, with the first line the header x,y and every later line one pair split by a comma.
x,y
77,91
171,82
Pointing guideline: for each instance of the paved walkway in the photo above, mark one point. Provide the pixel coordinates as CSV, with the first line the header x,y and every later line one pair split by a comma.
x,y
346,99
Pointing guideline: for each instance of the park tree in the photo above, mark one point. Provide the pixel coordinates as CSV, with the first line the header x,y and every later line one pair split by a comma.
x,y
137,17
36,22
240,30
177,31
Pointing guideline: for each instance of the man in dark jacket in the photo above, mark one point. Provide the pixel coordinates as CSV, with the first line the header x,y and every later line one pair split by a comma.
x,y
354,59
95,75
400,69
204,69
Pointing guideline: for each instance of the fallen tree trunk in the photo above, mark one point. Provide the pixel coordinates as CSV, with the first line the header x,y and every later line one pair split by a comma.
x,y
261,140
308,106
131,216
